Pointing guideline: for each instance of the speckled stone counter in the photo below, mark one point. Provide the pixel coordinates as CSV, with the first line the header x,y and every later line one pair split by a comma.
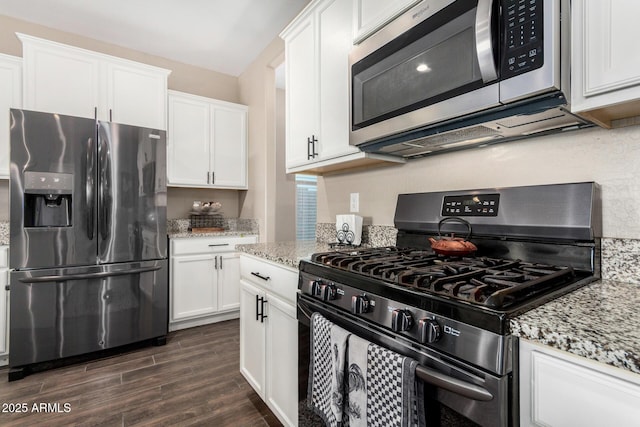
x,y
287,253
179,228
211,234
4,232
600,321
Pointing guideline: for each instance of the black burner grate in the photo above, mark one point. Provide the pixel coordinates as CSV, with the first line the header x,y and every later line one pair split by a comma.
x,y
490,282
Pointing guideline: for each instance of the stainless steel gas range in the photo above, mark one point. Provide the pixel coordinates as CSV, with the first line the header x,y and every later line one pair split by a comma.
x,y
451,313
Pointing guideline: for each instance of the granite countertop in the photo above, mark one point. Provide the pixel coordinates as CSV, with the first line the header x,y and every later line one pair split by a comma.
x,y
4,233
188,234
600,321
286,253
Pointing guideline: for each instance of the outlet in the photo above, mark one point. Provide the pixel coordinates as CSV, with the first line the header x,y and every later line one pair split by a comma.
x,y
355,202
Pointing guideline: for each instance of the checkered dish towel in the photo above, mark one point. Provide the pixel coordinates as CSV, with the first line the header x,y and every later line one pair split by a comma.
x,y
326,370
382,387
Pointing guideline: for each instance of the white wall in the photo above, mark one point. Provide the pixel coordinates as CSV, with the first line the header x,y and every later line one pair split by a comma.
x,y
609,157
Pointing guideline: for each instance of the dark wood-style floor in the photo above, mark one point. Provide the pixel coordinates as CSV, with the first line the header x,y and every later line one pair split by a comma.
x,y
194,380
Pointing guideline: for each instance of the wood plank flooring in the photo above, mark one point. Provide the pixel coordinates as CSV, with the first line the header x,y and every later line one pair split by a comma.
x,y
193,380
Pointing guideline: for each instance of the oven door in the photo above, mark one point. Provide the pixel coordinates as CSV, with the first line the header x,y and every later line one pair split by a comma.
x,y
473,394
439,50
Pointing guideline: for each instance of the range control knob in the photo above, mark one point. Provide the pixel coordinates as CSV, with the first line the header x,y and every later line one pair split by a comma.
x,y
316,288
401,320
328,292
359,304
429,331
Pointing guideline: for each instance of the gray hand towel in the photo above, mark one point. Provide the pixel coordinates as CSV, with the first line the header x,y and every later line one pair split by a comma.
x,y
382,387
326,371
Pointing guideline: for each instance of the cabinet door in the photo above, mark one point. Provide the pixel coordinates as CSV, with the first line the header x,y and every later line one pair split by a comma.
x,y
136,95
563,390
193,286
229,142
228,281
60,79
252,338
301,94
188,141
10,97
371,15
605,60
335,42
282,360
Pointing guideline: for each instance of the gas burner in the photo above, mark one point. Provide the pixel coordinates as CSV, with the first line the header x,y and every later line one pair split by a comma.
x,y
485,281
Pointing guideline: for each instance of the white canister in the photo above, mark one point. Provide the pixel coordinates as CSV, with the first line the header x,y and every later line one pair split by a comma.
x,y
349,229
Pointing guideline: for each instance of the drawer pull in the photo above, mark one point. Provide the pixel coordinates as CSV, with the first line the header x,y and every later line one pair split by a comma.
x,y
219,244
265,278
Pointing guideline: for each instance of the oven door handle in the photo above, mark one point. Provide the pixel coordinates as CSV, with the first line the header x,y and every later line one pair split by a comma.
x,y
453,385
428,375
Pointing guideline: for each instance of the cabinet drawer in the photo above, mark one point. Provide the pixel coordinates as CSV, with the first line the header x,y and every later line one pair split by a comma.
x,y
268,275
4,256
199,245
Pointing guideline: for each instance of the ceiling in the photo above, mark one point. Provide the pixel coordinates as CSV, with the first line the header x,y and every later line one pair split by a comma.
x,y
220,35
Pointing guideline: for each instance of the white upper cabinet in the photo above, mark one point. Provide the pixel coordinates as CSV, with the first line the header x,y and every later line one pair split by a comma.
x,y
207,142
317,46
301,93
77,82
229,145
371,15
605,60
136,94
10,97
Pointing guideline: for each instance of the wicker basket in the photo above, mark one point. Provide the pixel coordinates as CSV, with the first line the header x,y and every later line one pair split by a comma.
x,y
206,221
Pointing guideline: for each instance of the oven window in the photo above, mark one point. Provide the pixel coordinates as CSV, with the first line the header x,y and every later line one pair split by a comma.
x,y
433,61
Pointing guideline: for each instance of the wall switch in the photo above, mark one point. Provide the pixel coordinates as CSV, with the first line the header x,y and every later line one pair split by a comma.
x,y
355,202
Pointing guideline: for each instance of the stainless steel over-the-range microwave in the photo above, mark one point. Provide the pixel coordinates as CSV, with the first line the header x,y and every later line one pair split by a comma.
x,y
448,74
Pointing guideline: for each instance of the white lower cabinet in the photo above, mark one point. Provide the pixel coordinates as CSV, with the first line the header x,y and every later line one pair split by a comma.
x,y
269,334
204,280
4,305
558,389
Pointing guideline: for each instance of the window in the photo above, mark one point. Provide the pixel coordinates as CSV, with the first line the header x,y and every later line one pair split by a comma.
x,y
306,202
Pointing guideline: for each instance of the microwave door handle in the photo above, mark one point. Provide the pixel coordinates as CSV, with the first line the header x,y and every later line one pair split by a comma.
x,y
484,41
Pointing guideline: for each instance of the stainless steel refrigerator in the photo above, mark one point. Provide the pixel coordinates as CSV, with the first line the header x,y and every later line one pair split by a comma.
x,y
88,243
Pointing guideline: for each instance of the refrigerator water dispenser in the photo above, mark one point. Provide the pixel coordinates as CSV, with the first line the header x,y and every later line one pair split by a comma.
x,y
47,199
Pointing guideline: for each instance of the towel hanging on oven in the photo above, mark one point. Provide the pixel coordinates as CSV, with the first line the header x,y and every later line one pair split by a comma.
x,y
382,387
326,370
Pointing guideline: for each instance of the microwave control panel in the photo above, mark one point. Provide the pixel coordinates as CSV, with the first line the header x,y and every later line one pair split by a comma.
x,y
522,30
471,205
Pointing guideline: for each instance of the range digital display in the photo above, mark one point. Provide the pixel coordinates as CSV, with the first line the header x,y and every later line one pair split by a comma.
x,y
471,205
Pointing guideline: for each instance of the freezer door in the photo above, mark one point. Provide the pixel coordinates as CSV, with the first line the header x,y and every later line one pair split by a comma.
x,y
58,313
132,193
52,190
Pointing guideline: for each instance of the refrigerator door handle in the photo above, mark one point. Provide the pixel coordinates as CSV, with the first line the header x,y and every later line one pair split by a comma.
x,y
98,275
90,188
104,190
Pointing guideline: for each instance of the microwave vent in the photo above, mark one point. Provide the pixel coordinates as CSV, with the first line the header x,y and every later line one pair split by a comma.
x,y
529,119
443,141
